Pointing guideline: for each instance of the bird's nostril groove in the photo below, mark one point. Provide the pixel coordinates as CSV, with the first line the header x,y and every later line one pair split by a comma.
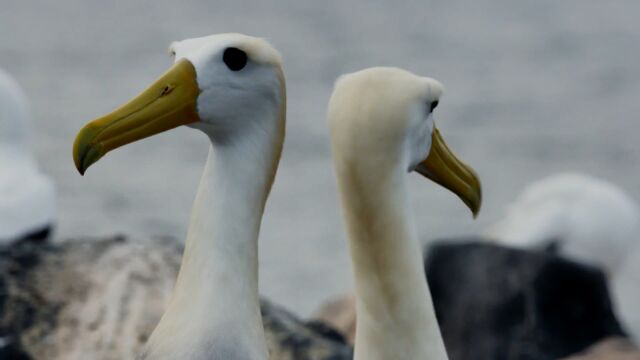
x,y
166,90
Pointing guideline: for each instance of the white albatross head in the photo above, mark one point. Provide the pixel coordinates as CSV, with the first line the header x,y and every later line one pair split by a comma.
x,y
230,86
382,118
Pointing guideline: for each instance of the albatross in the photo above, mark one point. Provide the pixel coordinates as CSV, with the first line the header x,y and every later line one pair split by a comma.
x,y
232,88
586,218
27,196
382,127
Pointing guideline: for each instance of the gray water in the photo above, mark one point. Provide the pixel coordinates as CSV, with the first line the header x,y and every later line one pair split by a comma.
x,y
533,88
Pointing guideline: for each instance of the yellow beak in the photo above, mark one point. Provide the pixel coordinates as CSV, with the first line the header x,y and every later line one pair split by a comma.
x,y
444,168
168,103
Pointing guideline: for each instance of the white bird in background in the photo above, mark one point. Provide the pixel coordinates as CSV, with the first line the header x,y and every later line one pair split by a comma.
x,y
590,219
586,219
382,127
232,88
27,197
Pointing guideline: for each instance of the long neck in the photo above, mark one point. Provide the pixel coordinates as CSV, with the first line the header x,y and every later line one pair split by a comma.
x,y
215,311
396,319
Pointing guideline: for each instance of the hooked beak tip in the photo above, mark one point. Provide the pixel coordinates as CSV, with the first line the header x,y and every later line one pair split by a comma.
x,y
85,151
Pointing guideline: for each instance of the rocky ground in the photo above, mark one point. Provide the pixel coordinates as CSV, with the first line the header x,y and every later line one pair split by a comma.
x,y
101,298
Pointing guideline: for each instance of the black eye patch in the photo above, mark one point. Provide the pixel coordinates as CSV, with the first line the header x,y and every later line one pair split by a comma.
x,y
234,58
433,105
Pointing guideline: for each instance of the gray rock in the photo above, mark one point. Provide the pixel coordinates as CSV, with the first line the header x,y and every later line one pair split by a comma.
x,y
101,298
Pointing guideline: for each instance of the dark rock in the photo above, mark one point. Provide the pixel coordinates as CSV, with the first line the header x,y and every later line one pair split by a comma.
x,y
12,351
38,235
494,302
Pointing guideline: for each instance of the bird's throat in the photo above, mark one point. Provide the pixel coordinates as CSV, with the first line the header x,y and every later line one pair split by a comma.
x,y
215,303
395,315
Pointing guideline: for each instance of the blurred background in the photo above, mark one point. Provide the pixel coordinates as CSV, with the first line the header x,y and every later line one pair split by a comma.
x,y
533,88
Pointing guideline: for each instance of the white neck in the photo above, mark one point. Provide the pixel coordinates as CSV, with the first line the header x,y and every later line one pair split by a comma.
x,y
396,319
215,309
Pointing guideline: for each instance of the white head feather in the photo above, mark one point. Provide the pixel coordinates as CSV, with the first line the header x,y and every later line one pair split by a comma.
x,y
592,219
229,99
27,197
403,121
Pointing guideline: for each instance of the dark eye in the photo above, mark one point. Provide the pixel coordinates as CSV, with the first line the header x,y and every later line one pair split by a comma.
x,y
235,59
433,105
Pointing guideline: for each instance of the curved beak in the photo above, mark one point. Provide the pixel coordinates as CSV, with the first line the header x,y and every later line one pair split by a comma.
x,y
444,168
167,103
